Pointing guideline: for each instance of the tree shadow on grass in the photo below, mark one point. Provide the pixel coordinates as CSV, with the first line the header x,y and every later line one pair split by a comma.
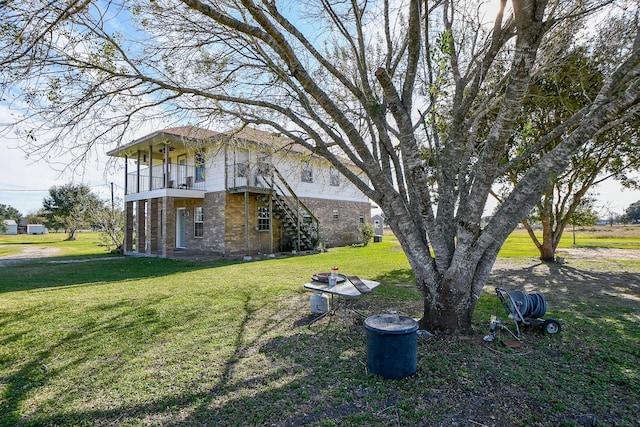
x,y
45,273
276,371
273,372
566,286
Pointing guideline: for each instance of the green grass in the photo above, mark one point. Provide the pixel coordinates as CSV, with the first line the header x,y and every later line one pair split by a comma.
x,y
85,245
519,243
144,341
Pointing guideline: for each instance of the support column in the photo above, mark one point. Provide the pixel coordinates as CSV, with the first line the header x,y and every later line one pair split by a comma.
x,y
270,223
168,227
141,220
126,175
155,219
138,173
247,235
128,227
167,168
151,186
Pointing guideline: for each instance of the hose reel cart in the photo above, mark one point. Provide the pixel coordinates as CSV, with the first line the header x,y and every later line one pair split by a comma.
x,y
522,308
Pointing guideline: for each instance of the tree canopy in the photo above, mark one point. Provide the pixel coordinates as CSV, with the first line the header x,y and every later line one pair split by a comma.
x,y
70,207
423,96
8,212
554,95
632,213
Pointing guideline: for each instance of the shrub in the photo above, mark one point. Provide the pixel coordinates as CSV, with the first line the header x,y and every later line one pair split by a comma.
x,y
366,231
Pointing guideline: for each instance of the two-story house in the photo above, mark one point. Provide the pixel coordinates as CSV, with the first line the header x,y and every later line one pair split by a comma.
x,y
244,192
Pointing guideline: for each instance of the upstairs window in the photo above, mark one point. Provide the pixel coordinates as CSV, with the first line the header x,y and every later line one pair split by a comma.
x,y
200,161
361,217
336,215
334,177
307,172
264,164
242,164
242,170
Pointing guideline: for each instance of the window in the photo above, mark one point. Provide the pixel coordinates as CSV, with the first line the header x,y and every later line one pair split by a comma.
x,y
200,161
198,222
334,177
336,216
242,163
264,164
307,172
361,217
264,219
242,170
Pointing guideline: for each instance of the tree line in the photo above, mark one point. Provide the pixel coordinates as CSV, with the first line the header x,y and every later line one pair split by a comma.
x,y
73,207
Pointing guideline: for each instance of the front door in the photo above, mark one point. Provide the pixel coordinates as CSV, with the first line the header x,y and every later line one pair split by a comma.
x,y
181,228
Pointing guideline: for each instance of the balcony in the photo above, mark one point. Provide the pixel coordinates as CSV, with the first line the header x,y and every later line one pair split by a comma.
x,y
178,176
246,176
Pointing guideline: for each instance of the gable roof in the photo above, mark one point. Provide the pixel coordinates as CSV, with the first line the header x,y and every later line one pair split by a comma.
x,y
186,134
192,133
196,135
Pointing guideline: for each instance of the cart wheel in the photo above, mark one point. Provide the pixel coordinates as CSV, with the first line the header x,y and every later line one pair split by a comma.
x,y
551,326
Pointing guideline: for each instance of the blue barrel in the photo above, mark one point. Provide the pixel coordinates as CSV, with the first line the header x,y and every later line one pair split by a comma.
x,y
391,345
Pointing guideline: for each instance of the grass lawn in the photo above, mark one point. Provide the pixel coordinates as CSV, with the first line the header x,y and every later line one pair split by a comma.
x,y
86,244
141,341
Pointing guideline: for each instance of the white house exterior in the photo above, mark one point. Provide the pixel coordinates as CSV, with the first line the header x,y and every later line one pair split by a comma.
x,y
236,193
11,227
378,224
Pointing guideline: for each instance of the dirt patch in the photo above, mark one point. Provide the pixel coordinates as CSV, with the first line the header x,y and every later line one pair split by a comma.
x,y
589,254
30,253
604,257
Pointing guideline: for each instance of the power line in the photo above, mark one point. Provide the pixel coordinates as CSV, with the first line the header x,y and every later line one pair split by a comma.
x,y
46,190
20,190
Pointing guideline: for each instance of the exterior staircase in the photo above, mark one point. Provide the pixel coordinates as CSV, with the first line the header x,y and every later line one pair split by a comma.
x,y
299,223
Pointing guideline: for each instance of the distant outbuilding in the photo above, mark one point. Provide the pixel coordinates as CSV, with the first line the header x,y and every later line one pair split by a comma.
x,y
11,227
36,229
378,223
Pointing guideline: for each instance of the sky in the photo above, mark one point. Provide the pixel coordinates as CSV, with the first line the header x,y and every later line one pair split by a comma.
x,y
24,183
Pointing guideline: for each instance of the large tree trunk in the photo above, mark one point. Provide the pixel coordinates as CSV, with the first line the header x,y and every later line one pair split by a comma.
x,y
547,248
450,286
449,308
452,308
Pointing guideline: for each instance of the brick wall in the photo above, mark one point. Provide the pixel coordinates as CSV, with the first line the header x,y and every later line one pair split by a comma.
x,y
342,231
168,227
141,219
214,222
236,227
155,229
235,242
212,241
225,226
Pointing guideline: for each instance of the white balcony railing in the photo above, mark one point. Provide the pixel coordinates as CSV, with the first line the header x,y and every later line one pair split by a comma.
x,y
247,176
157,178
